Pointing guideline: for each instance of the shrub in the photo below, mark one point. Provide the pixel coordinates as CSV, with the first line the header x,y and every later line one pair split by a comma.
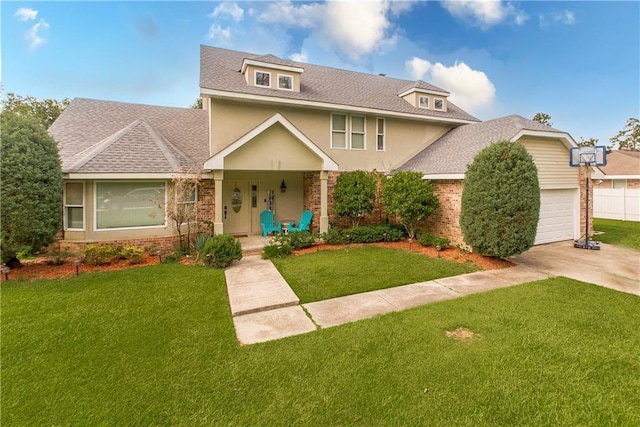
x,y
300,239
101,254
373,233
427,239
57,256
199,244
133,254
276,249
501,200
410,198
224,249
333,237
354,194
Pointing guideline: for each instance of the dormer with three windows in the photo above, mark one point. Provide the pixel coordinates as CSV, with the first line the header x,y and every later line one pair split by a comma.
x,y
271,72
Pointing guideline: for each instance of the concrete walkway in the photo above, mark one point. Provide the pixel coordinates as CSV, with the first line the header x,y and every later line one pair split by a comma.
x,y
265,308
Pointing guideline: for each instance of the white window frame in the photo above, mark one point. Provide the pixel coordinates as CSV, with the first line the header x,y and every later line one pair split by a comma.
x,y
83,206
288,76
255,78
381,134
345,131
435,107
148,227
363,133
420,98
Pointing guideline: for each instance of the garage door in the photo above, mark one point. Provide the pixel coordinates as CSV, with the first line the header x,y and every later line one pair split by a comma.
x,y
557,211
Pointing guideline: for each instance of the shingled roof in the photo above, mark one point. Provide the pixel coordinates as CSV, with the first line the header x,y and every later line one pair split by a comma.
x,y
220,72
451,153
622,163
115,137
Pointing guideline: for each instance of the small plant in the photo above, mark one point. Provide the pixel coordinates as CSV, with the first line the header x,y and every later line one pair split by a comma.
x,y
333,237
300,239
199,244
100,254
279,246
428,239
57,256
463,248
224,249
133,254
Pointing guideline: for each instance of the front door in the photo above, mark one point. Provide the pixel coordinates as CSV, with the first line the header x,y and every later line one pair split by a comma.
x,y
236,207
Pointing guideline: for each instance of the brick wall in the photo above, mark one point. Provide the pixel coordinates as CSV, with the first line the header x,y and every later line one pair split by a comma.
x,y
445,222
151,244
633,183
206,203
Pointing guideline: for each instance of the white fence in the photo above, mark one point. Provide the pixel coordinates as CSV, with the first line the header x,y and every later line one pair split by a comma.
x,y
617,203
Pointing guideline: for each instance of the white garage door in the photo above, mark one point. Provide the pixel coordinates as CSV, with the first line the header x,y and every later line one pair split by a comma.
x,y
557,212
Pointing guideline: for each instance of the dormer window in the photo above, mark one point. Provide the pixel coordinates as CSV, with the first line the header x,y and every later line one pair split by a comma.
x,y
438,104
423,101
263,78
285,82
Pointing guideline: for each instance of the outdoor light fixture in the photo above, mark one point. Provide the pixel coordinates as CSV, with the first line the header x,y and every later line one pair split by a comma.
x,y
5,270
159,253
208,259
283,186
77,265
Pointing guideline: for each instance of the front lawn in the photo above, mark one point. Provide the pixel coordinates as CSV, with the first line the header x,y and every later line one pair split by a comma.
x,y
334,273
621,233
156,346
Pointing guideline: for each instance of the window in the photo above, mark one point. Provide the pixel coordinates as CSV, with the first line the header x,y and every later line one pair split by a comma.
x,y
380,135
438,104
357,132
263,79
285,82
338,131
74,206
423,101
130,204
186,199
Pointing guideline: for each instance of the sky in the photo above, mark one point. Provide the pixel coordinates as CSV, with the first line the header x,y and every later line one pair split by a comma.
x,y
577,61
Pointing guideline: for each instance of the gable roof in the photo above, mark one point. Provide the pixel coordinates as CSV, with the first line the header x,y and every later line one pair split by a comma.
x,y
622,163
324,87
451,153
116,137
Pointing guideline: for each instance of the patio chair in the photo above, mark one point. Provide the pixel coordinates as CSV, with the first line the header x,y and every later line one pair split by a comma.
x,y
268,223
303,224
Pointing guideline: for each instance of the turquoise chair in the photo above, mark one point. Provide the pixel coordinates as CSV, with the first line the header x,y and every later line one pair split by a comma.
x,y
305,222
268,223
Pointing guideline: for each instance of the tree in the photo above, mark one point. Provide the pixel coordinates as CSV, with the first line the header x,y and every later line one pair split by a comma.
x,y
628,139
197,105
501,200
591,142
31,193
354,195
46,111
543,118
181,202
409,197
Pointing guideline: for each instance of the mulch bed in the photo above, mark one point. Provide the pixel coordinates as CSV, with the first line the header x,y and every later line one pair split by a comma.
x,y
40,269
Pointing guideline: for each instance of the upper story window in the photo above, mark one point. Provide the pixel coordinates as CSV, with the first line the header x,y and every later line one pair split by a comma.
x,y
380,135
74,206
285,82
338,131
263,78
358,133
438,104
423,101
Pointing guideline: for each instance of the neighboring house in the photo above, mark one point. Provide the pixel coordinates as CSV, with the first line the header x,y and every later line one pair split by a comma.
x,y
617,187
274,134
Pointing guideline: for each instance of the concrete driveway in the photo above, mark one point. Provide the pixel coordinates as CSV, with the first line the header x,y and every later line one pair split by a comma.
x,y
612,267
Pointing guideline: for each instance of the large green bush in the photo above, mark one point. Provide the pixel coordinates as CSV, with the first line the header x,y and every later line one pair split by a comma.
x,y
354,195
31,190
501,200
224,249
410,198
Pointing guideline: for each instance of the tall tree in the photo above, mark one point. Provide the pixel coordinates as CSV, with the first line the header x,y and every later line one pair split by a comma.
x,y
46,111
501,200
197,105
543,118
628,139
591,142
31,193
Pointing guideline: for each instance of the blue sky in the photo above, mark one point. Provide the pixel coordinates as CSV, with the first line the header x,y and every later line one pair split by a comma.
x,y
577,61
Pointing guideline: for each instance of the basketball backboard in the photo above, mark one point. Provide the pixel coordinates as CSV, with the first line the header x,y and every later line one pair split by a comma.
x,y
588,156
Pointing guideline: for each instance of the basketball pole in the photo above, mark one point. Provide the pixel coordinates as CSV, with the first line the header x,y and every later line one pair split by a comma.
x,y
586,244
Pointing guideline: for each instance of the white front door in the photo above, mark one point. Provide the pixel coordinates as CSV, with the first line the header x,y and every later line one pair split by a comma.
x,y
236,207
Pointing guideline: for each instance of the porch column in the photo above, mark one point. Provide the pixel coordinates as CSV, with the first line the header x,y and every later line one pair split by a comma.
x,y
218,177
324,210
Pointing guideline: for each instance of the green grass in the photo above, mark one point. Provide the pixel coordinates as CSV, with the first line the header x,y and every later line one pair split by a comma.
x,y
329,274
621,233
156,346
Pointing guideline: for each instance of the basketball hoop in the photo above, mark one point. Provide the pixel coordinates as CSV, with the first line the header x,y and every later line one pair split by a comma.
x,y
587,157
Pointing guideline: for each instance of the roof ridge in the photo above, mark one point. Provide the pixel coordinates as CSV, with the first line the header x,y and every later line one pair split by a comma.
x,y
100,146
166,146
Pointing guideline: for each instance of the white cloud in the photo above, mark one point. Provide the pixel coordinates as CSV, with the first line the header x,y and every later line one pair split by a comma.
x,y
219,34
228,9
355,29
33,36
26,14
301,56
484,13
470,89
565,17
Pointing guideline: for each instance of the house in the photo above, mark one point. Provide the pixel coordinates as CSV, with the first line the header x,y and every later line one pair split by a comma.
x,y
616,193
275,134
